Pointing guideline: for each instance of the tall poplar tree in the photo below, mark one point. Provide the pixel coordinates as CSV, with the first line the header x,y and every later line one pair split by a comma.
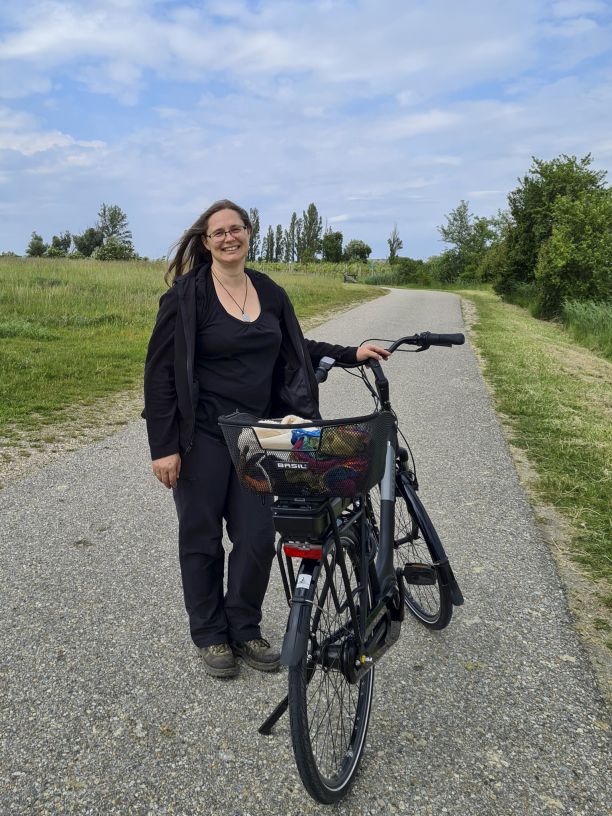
x,y
253,252
291,235
395,244
279,243
310,239
267,250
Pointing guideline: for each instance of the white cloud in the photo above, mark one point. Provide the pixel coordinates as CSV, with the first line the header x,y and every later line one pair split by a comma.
x,y
416,124
284,38
19,132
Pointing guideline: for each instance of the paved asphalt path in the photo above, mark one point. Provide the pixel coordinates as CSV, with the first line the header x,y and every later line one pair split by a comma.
x,y
105,707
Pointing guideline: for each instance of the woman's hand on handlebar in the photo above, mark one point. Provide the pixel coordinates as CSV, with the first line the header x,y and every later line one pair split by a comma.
x,y
167,469
370,351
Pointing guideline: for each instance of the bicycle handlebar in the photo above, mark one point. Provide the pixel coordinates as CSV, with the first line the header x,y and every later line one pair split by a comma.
x,y
424,340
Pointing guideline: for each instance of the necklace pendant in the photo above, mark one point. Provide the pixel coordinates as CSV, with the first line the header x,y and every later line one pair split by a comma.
x,y
246,318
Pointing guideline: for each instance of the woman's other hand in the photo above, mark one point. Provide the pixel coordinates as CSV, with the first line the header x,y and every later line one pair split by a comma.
x,y
370,351
167,469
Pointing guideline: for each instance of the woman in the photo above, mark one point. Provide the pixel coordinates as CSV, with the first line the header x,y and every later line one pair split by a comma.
x,y
225,338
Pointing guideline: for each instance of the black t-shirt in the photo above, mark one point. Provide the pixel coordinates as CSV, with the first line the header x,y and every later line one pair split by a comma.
x,y
234,360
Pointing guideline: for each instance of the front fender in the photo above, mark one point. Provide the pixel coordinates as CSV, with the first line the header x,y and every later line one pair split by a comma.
x,y
295,642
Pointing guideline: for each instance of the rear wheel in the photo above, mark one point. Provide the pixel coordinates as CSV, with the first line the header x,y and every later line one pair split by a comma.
x,y
426,596
329,715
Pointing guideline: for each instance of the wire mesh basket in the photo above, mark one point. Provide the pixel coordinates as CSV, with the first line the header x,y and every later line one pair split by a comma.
x,y
321,458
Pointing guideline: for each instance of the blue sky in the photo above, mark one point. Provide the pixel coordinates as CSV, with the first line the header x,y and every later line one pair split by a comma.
x,y
379,111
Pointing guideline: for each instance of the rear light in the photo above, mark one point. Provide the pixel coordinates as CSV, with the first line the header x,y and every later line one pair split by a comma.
x,y
303,551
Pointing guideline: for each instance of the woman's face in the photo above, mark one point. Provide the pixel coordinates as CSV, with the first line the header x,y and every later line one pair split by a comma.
x,y
227,237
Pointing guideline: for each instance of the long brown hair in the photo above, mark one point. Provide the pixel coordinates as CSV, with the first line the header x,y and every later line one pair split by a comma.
x,y
189,251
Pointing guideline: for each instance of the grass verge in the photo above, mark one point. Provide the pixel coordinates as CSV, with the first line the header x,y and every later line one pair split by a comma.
x,y
590,324
556,400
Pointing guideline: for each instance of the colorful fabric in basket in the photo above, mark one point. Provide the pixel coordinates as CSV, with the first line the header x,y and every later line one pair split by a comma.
x,y
306,438
336,459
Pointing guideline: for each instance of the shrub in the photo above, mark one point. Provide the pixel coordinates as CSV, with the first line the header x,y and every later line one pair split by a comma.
x,y
114,250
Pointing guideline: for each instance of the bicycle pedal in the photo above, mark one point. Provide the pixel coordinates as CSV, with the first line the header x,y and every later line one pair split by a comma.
x,y
420,574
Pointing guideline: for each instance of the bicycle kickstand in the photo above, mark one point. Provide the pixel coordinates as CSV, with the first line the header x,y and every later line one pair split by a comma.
x,y
266,727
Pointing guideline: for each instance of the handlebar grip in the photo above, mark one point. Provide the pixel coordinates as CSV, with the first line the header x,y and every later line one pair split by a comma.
x,y
443,339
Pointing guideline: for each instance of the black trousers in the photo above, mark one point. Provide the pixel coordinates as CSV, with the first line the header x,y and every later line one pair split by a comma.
x,y
207,492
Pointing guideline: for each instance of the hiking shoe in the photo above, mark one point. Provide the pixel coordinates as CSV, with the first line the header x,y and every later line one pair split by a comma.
x,y
219,660
257,653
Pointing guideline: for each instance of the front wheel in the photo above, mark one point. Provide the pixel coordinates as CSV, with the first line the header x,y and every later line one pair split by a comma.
x,y
427,597
414,553
328,714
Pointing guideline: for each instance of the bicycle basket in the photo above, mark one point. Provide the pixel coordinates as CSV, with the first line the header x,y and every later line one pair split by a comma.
x,y
340,457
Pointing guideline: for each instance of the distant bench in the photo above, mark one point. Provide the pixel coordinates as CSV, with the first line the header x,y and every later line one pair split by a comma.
x,y
350,278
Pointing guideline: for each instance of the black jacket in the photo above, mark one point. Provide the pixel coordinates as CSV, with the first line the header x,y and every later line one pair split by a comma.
x,y
171,391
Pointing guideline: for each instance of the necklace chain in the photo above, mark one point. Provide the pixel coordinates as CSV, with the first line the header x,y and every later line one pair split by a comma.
x,y
245,316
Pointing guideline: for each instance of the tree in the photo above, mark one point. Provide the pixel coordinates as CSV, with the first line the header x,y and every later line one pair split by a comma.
x,y
470,237
289,240
279,243
37,247
267,249
113,223
61,243
458,228
293,238
87,243
395,244
575,263
357,251
309,243
253,252
331,246
531,207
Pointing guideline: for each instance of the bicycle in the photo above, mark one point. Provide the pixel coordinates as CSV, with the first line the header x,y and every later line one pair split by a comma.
x,y
338,484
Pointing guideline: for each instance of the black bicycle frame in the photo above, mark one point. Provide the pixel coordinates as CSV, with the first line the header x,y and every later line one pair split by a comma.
x,y
374,631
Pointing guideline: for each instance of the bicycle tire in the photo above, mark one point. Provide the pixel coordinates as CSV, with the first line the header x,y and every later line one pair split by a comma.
x,y
414,552
328,715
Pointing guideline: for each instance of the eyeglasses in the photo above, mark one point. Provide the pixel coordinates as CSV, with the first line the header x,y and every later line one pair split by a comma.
x,y
219,235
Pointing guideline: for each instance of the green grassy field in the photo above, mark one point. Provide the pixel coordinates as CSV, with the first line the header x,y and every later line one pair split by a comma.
x,y
72,331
